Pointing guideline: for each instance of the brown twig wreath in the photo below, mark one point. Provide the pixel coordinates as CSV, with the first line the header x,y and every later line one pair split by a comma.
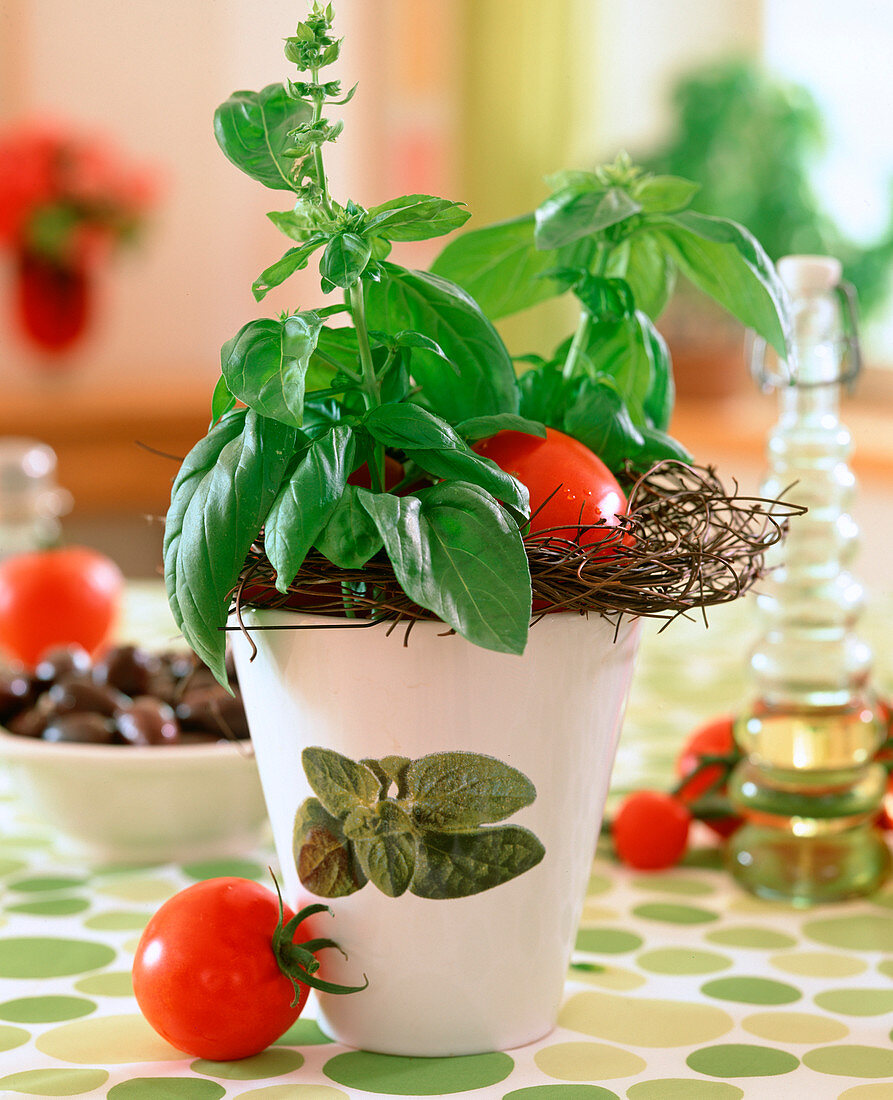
x,y
686,543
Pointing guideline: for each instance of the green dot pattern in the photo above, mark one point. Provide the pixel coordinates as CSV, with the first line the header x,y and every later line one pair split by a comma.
x,y
398,1076
681,986
45,1010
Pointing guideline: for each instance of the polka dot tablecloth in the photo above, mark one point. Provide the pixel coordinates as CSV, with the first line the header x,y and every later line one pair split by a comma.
x,y
681,986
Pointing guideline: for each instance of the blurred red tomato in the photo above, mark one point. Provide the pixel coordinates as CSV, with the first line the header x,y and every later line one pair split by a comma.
x,y
570,487
714,739
53,598
650,830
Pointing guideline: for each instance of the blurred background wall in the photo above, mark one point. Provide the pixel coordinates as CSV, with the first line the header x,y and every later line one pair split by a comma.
x,y
473,99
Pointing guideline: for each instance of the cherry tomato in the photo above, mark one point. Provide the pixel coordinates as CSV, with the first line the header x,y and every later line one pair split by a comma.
x,y
715,738
569,485
211,971
52,598
650,830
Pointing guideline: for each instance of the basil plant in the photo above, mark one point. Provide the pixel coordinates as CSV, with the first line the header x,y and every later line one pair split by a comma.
x,y
617,238
402,361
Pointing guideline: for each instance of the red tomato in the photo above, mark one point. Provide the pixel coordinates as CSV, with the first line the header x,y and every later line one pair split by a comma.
x,y
54,598
650,830
569,485
393,474
716,738
209,975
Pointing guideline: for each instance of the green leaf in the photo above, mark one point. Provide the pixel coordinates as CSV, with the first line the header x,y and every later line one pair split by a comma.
x,y
482,427
221,400
456,865
600,419
405,425
386,848
265,364
461,790
569,215
345,259
293,260
415,218
340,784
665,194
421,302
659,400
724,261
324,857
545,393
647,269
252,129
462,464
219,501
457,554
302,222
306,502
657,445
350,538
604,297
500,267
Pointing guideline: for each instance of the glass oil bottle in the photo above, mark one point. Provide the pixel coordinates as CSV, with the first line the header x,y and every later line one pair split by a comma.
x,y
808,786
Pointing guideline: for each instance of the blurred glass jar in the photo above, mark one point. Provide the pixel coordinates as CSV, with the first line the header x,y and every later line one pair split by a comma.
x,y
30,500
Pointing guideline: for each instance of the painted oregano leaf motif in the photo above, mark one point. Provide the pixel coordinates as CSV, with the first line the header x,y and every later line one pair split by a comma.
x,y
425,825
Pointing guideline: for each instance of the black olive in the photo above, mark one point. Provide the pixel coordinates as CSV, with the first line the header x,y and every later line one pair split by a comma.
x,y
16,694
147,721
212,709
83,695
80,727
128,668
62,662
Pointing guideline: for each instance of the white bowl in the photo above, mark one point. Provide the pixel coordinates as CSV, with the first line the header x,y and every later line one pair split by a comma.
x,y
152,804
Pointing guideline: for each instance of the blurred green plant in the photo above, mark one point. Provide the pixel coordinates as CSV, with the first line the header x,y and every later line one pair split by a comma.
x,y
752,140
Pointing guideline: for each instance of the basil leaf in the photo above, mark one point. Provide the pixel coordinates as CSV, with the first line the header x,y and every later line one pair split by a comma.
x,y
306,502
482,427
724,261
665,194
323,856
252,129
221,400
265,364
569,215
340,784
659,401
456,865
647,269
350,538
499,266
388,855
293,260
657,445
600,419
462,464
457,554
406,425
345,259
545,393
416,300
604,297
461,790
219,501
415,218
302,221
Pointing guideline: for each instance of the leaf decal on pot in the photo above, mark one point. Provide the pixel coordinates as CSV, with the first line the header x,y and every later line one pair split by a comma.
x,y
454,865
417,825
461,790
323,856
339,782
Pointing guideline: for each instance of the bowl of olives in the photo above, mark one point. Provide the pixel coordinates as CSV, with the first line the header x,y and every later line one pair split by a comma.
x,y
137,757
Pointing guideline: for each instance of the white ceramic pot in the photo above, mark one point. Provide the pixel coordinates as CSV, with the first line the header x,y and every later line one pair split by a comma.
x,y
448,975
